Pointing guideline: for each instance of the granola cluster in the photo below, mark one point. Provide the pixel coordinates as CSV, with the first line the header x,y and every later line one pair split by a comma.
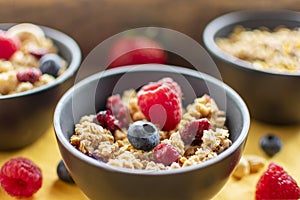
x,y
115,149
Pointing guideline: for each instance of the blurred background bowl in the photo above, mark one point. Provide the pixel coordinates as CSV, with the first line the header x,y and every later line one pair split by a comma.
x,y
100,181
271,97
26,116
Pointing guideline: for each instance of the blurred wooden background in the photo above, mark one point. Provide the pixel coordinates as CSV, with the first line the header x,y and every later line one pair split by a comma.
x,y
91,21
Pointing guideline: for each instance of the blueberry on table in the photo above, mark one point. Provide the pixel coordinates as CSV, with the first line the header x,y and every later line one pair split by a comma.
x,y
270,144
143,135
63,173
50,64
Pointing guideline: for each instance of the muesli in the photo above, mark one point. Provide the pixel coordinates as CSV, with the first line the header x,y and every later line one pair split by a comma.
x,y
28,59
277,50
148,129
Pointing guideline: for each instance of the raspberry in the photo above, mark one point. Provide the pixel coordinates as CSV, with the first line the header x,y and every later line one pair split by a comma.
x,y
194,130
20,177
8,45
166,154
107,120
31,75
117,108
173,85
161,104
275,183
135,50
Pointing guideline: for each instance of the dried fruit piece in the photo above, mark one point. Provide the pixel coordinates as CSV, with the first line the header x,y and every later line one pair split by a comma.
x,y
63,173
270,144
20,177
275,183
31,75
143,135
166,154
160,104
38,52
118,109
194,130
107,120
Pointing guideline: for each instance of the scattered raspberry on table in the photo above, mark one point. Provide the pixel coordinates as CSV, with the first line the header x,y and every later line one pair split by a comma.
x,y
20,177
276,183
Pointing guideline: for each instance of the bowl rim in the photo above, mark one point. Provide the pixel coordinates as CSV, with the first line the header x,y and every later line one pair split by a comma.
x,y
69,43
150,67
236,17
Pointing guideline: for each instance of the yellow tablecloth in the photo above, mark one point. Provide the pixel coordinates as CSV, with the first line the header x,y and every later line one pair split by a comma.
x,y
45,153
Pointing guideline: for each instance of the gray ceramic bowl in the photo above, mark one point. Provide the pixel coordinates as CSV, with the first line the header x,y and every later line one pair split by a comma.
x,y
271,97
25,116
99,181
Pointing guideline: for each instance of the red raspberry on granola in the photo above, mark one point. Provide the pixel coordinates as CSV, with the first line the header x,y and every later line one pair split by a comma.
x,y
173,85
161,104
8,45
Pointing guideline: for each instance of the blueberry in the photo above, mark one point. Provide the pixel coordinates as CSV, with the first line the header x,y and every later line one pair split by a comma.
x,y
143,135
270,144
50,64
63,173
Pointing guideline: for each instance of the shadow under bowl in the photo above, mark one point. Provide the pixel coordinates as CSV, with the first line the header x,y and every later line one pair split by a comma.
x,y
100,181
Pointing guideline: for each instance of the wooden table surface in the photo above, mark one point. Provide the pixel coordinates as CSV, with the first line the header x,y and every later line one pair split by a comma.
x,y
45,153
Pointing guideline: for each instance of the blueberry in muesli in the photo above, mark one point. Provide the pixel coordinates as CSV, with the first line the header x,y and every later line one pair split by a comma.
x,y
270,144
143,135
50,64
